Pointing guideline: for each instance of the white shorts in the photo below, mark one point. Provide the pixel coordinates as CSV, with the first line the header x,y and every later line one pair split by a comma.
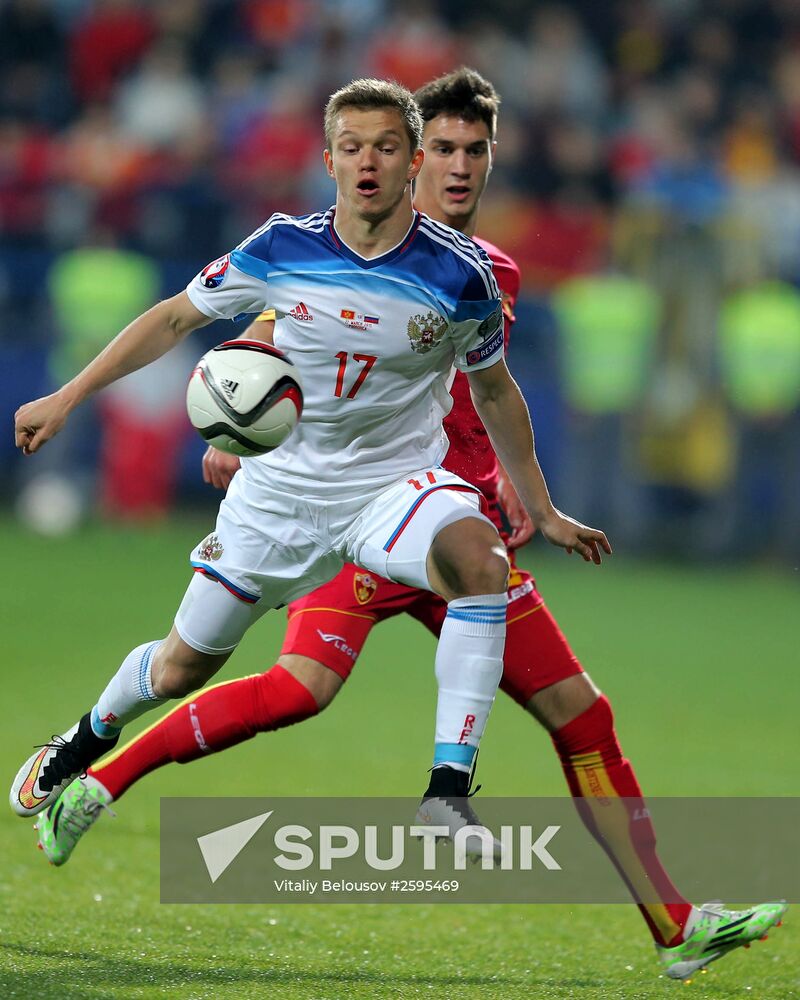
x,y
270,547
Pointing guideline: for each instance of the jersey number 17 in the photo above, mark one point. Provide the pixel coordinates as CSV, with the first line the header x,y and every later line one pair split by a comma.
x,y
367,360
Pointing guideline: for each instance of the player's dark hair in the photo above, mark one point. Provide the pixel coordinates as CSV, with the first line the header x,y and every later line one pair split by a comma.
x,y
368,95
464,93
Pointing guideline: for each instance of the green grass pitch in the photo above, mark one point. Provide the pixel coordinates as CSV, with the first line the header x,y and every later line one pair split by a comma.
x,y
694,661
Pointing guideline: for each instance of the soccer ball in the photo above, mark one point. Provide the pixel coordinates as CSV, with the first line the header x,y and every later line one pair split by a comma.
x,y
244,397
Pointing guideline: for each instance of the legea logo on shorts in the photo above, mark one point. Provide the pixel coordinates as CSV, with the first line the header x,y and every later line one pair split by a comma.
x,y
514,593
338,643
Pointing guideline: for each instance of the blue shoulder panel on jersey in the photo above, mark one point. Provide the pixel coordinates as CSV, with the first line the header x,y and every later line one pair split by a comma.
x,y
475,287
253,266
269,240
456,263
482,309
286,242
257,244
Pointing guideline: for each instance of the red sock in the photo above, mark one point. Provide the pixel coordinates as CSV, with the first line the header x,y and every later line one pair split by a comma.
x,y
212,720
596,770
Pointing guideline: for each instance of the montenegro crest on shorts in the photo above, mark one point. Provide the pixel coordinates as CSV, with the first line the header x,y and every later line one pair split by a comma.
x,y
425,331
210,549
364,587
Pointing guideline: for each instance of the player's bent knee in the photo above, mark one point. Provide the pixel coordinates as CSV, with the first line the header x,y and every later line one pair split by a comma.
x,y
320,681
487,574
467,558
495,572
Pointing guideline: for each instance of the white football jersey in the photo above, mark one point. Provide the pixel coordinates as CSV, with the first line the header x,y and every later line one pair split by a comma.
x,y
374,340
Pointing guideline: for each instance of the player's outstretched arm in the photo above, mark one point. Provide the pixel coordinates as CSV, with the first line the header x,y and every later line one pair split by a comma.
x,y
505,416
142,341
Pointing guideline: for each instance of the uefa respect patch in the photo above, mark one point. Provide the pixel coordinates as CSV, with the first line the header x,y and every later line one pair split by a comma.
x,y
487,350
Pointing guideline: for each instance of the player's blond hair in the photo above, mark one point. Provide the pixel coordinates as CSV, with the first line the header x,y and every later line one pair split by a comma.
x,y
368,95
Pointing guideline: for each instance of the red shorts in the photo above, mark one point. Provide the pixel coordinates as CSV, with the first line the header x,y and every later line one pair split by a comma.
x,y
331,625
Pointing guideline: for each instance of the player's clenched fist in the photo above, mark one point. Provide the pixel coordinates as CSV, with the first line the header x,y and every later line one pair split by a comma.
x,y
219,468
37,422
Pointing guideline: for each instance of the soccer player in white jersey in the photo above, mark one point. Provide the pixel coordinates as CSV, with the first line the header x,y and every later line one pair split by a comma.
x,y
360,480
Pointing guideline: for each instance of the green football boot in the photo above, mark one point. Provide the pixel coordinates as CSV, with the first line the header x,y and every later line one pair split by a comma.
x,y
78,807
711,932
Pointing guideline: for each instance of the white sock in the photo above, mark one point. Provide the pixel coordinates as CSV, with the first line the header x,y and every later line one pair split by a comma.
x,y
469,665
129,693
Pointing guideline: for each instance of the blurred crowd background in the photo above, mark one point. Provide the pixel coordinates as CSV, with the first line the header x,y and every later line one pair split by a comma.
x,y
647,181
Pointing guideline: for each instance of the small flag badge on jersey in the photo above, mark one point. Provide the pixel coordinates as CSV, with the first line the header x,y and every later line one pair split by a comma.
x,y
358,321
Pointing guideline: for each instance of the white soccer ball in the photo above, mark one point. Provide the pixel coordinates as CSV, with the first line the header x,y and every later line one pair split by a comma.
x,y
245,397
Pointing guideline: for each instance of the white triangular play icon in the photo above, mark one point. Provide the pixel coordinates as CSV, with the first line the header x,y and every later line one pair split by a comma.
x,y
221,848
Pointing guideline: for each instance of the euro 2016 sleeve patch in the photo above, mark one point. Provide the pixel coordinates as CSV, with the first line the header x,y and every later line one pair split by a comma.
x,y
213,274
222,290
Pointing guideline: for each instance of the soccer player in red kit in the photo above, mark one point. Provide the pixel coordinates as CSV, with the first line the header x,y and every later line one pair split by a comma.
x,y
327,628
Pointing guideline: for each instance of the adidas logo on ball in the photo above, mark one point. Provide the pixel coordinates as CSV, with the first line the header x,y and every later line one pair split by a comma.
x,y
229,387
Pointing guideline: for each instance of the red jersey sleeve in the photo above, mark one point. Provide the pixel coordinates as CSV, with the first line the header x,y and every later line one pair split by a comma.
x,y
470,455
508,279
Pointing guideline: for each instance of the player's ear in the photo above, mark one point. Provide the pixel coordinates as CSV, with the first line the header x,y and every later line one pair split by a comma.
x,y
329,163
416,164
492,151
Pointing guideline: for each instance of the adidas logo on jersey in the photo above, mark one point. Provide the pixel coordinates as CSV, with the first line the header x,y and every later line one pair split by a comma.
x,y
301,312
229,387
